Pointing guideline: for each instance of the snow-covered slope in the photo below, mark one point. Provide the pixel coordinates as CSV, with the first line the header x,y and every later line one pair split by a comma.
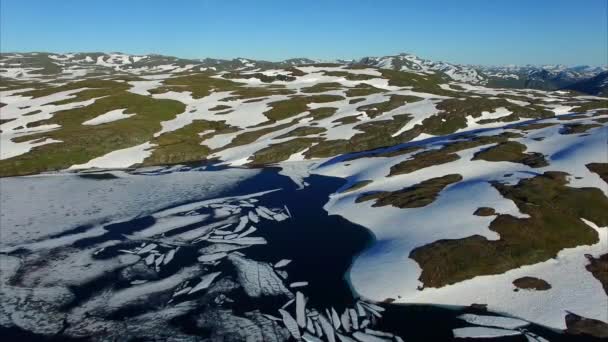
x,y
413,63
405,227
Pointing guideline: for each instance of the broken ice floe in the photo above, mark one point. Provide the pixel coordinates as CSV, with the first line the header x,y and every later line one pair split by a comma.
x,y
208,258
214,232
311,325
494,326
494,321
258,279
282,263
298,284
483,332
206,280
290,324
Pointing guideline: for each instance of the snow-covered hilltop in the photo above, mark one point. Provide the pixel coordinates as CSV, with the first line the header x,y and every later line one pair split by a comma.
x,y
413,63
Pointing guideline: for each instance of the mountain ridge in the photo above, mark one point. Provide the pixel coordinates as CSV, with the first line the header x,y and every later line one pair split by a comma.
x,y
543,77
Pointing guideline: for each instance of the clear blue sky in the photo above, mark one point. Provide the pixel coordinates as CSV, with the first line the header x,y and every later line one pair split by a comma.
x,y
466,31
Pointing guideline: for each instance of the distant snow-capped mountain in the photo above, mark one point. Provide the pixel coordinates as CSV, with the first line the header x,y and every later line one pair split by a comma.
x,y
412,63
545,77
596,85
73,65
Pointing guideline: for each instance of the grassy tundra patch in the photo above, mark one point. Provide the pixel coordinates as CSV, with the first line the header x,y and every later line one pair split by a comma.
x,y
395,101
358,185
322,112
363,89
374,134
202,84
511,151
81,143
531,283
281,151
599,268
600,168
302,131
415,196
322,87
454,113
184,145
484,211
577,128
445,154
293,106
555,210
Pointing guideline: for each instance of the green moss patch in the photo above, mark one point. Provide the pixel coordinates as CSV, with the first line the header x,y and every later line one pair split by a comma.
x,y
599,268
555,210
322,87
454,113
590,105
349,75
374,135
578,325
363,90
388,154
358,185
421,83
511,151
97,88
415,196
281,151
262,77
251,136
81,143
184,145
484,211
533,126
447,153
220,107
202,84
98,176
572,117
601,120
577,128
322,112
302,131
600,168
531,283
298,104
347,120
395,101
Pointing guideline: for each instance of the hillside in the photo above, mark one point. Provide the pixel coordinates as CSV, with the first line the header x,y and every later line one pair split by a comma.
x,y
152,197
119,111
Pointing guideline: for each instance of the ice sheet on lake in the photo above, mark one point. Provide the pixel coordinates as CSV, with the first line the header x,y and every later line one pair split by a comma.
x,y
483,332
31,211
258,279
205,282
494,321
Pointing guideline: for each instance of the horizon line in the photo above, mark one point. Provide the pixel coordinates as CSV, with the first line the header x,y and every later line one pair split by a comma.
x,y
322,60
